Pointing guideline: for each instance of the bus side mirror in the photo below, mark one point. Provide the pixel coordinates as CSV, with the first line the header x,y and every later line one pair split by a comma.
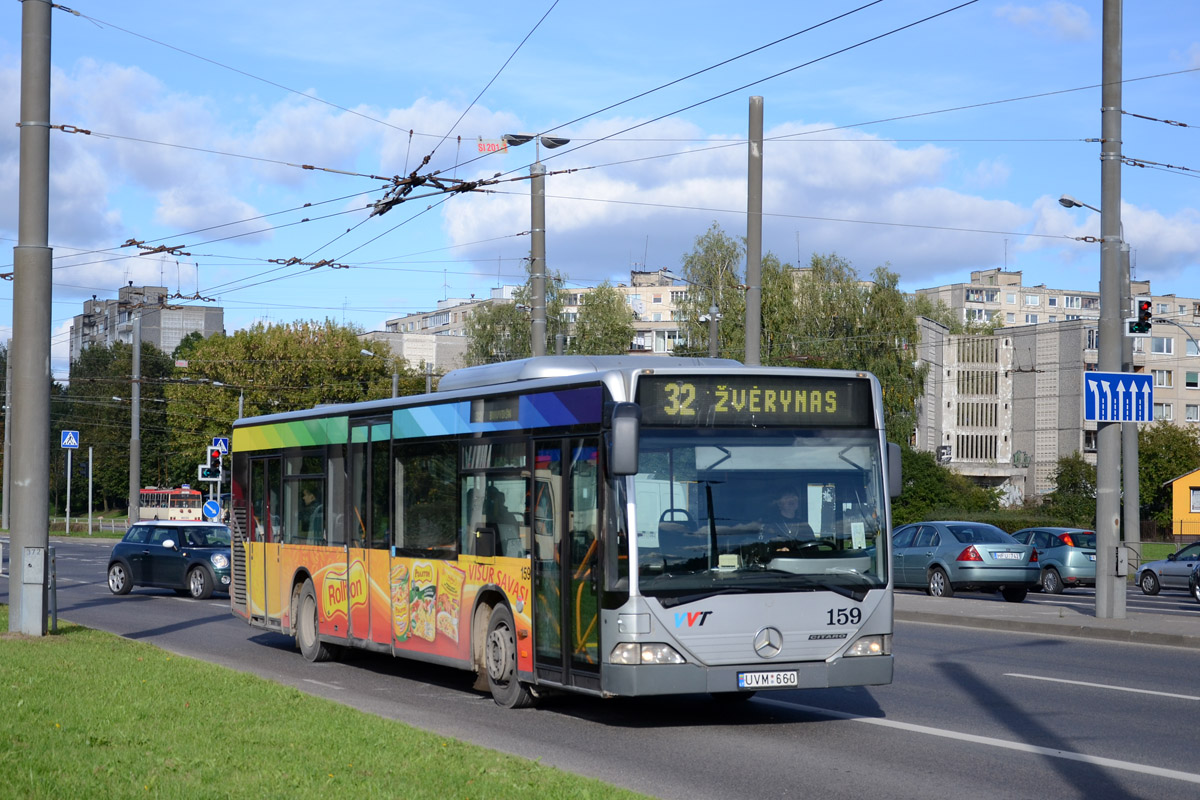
x,y
894,479
626,435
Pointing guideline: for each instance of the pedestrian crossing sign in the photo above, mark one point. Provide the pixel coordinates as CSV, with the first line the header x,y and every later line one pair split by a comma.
x,y
70,439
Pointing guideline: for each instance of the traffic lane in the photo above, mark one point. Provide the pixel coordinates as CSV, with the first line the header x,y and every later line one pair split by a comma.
x,y
1114,700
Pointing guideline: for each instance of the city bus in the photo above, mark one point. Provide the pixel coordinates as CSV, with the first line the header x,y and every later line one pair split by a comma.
x,y
183,503
584,524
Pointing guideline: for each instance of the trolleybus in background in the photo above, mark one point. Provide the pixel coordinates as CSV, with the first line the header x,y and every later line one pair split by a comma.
x,y
183,503
590,524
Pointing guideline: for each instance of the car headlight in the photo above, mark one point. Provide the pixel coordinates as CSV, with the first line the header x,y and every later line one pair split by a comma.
x,y
645,653
219,560
877,644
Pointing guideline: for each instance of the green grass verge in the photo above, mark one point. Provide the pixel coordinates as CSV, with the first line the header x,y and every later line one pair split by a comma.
x,y
88,714
1154,551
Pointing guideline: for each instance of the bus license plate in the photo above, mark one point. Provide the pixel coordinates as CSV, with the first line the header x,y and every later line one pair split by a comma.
x,y
767,680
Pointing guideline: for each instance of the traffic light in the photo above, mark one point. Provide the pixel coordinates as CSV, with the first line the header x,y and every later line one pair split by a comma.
x,y
1139,324
211,471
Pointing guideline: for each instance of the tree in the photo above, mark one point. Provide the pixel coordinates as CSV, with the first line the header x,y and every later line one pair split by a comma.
x,y
1073,500
271,369
605,323
501,331
1165,451
929,490
712,270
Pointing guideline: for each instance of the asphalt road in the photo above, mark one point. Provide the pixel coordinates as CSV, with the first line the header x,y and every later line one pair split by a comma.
x,y
971,713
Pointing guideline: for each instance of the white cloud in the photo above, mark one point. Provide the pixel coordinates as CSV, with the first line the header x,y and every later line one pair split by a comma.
x,y
1057,20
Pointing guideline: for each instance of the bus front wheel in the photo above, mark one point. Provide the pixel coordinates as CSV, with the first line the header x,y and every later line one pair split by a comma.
x,y
500,656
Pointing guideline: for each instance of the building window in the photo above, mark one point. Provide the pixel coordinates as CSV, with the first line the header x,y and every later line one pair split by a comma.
x,y
1195,499
656,298
1031,319
1191,413
1193,349
1089,441
1163,377
1072,302
1191,380
1052,302
1162,345
982,295
1162,309
1033,299
1164,411
1070,317
1053,318
1011,298
1093,338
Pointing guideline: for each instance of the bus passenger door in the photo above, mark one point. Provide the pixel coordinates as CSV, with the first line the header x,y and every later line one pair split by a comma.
x,y
369,530
266,482
566,562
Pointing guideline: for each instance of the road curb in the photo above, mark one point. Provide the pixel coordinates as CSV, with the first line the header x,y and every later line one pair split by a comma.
x,y
1054,629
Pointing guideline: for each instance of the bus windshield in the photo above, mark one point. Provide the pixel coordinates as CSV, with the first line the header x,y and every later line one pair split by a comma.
x,y
725,510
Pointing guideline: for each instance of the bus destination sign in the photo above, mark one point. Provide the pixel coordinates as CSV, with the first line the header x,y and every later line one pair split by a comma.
x,y
754,400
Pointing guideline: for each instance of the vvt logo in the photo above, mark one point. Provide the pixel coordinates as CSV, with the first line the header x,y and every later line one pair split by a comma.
x,y
692,619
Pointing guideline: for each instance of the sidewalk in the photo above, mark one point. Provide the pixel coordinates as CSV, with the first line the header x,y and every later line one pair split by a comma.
x,y
1078,619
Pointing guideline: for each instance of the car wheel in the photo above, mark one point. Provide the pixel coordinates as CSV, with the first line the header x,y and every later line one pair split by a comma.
x,y
939,585
500,656
118,579
1052,581
311,646
1196,590
1149,582
1015,594
200,583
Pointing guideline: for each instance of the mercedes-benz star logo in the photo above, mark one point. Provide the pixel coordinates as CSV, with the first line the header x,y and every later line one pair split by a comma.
x,y
768,642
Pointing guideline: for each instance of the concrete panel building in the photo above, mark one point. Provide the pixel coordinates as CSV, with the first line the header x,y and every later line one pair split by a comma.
x,y
163,323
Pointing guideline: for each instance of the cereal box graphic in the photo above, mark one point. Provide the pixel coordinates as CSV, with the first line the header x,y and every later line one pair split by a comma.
x,y
422,596
400,601
449,600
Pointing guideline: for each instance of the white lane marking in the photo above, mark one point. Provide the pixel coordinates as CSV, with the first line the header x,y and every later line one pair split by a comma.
x,y
1101,686
1099,761
322,683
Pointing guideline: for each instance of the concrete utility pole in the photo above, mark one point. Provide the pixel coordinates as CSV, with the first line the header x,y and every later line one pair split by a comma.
x,y
135,421
537,257
754,235
32,262
7,435
1110,587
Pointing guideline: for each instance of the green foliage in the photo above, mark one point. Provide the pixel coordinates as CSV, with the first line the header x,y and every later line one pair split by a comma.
x,y
1165,451
605,323
713,272
500,331
1073,500
932,491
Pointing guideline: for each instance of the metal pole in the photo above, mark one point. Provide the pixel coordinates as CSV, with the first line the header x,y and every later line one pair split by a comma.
x,y
754,236
395,384
135,423
7,434
1130,494
712,330
69,491
89,491
1110,588
537,257
32,263
428,378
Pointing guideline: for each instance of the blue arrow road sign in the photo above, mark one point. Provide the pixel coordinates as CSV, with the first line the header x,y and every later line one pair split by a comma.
x,y
222,444
212,509
1118,397
70,439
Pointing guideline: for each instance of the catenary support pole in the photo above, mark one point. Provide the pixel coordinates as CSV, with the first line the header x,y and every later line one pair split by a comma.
x,y
754,201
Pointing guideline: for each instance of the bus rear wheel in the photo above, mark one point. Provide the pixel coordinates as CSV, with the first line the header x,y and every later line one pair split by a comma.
x,y
500,657
310,644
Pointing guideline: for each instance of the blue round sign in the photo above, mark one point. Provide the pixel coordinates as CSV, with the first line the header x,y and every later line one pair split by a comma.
x,y
212,509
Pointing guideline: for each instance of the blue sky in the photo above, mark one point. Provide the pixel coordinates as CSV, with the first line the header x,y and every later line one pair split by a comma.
x,y
899,151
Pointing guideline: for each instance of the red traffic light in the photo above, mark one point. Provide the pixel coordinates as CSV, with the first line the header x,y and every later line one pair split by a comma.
x,y
214,453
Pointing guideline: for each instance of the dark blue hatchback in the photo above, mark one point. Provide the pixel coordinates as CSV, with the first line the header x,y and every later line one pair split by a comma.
x,y
190,557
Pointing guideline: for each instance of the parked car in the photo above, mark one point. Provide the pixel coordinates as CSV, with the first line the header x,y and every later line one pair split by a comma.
x,y
1194,582
944,557
190,557
1067,556
1169,573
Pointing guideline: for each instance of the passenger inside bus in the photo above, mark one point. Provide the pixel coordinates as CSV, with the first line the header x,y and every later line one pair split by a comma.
x,y
508,528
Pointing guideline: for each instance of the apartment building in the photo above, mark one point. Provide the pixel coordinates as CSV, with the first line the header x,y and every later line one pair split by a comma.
x,y
1002,409
163,324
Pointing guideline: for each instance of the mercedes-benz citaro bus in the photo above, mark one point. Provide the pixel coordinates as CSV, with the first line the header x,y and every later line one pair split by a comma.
x,y
586,524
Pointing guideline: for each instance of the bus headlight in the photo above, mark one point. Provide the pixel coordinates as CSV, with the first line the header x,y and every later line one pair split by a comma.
x,y
645,653
219,560
878,644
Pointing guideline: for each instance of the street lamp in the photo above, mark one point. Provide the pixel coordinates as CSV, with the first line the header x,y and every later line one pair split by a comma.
x,y
713,316
537,242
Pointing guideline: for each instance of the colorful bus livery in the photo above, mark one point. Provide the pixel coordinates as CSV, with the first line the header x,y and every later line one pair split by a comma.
x,y
547,523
